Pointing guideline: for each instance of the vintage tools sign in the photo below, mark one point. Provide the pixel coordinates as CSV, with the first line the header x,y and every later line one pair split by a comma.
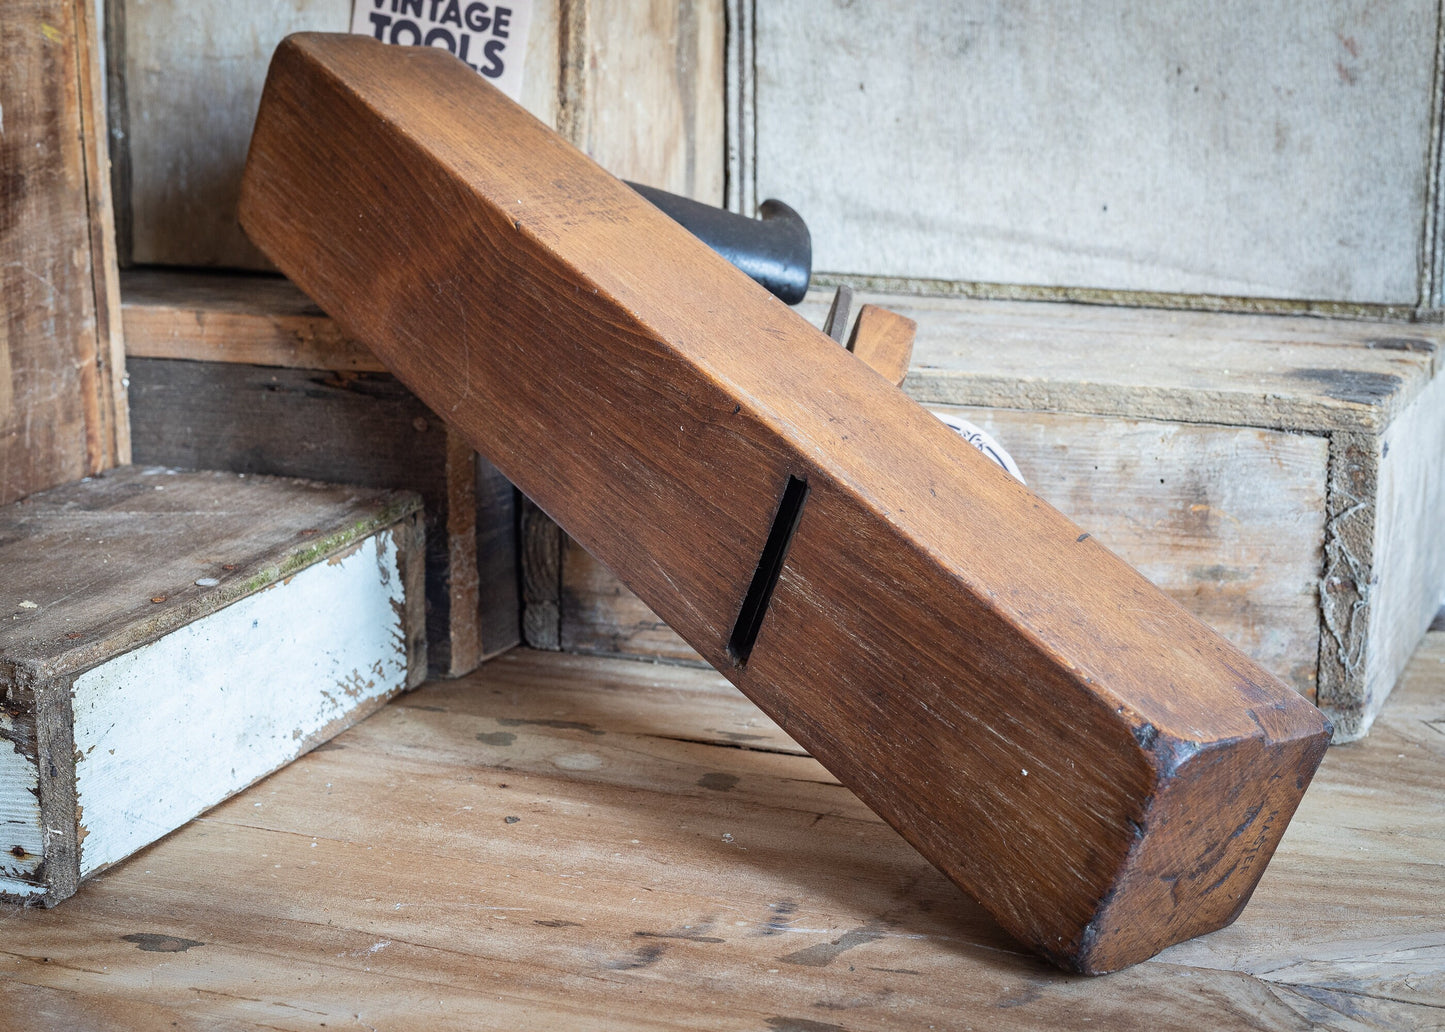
x,y
490,38
1099,769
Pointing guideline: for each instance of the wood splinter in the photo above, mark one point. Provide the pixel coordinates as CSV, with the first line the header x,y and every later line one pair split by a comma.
x,y
1101,771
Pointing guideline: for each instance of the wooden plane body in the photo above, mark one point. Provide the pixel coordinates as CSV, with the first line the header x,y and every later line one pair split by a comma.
x,y
1100,770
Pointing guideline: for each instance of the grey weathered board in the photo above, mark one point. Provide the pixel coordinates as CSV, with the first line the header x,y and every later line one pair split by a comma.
x,y
637,85
62,400
356,428
168,638
1265,150
1281,477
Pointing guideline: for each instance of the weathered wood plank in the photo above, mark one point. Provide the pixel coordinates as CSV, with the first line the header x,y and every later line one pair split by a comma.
x,y
509,288
1285,373
649,99
375,878
176,636
62,411
1393,580
1266,152
541,552
499,603
255,320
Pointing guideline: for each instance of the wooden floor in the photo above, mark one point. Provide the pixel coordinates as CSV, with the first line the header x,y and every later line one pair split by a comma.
x,y
559,842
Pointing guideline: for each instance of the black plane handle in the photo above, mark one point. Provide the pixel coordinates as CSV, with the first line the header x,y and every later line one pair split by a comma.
x,y
774,249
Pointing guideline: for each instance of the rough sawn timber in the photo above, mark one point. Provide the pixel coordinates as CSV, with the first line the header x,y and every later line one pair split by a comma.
x,y
1104,773
62,367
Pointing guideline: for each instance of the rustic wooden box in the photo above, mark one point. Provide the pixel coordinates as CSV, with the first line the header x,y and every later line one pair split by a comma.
x,y
168,638
1280,476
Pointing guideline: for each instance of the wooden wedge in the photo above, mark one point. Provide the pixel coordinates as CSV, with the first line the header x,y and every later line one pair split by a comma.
x,y
1099,769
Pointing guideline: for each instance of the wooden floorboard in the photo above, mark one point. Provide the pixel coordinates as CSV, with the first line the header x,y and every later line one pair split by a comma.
x,y
562,842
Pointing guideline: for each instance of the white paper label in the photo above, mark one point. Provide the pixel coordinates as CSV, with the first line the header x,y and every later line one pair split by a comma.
x,y
982,440
490,37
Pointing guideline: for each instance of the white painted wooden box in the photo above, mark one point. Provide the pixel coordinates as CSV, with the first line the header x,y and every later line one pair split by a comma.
x,y
168,638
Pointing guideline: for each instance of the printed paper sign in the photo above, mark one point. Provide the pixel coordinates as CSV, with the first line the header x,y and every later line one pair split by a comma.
x,y
490,37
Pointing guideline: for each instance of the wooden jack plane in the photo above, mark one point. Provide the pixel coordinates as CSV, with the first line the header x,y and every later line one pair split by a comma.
x,y
1100,770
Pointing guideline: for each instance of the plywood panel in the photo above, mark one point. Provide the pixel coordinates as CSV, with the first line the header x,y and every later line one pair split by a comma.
x,y
1259,150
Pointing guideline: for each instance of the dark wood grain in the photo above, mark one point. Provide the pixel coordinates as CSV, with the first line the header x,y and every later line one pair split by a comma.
x,y
541,577
1104,773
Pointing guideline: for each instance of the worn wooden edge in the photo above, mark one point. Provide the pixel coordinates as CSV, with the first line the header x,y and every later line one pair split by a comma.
x,y
883,339
499,570
1295,373
113,423
1222,304
1385,559
118,122
463,583
409,536
30,664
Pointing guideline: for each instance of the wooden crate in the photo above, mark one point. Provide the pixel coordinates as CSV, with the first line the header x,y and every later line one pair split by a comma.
x,y
1279,476
243,373
171,637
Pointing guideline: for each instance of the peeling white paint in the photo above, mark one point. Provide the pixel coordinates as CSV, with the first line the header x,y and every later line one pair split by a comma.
x,y
20,827
169,730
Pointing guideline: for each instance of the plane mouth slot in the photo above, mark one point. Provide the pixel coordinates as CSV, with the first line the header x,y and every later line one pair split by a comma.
x,y
770,567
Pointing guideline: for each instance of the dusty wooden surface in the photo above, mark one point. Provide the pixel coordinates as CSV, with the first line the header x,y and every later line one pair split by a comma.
x,y
925,593
62,405
558,841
